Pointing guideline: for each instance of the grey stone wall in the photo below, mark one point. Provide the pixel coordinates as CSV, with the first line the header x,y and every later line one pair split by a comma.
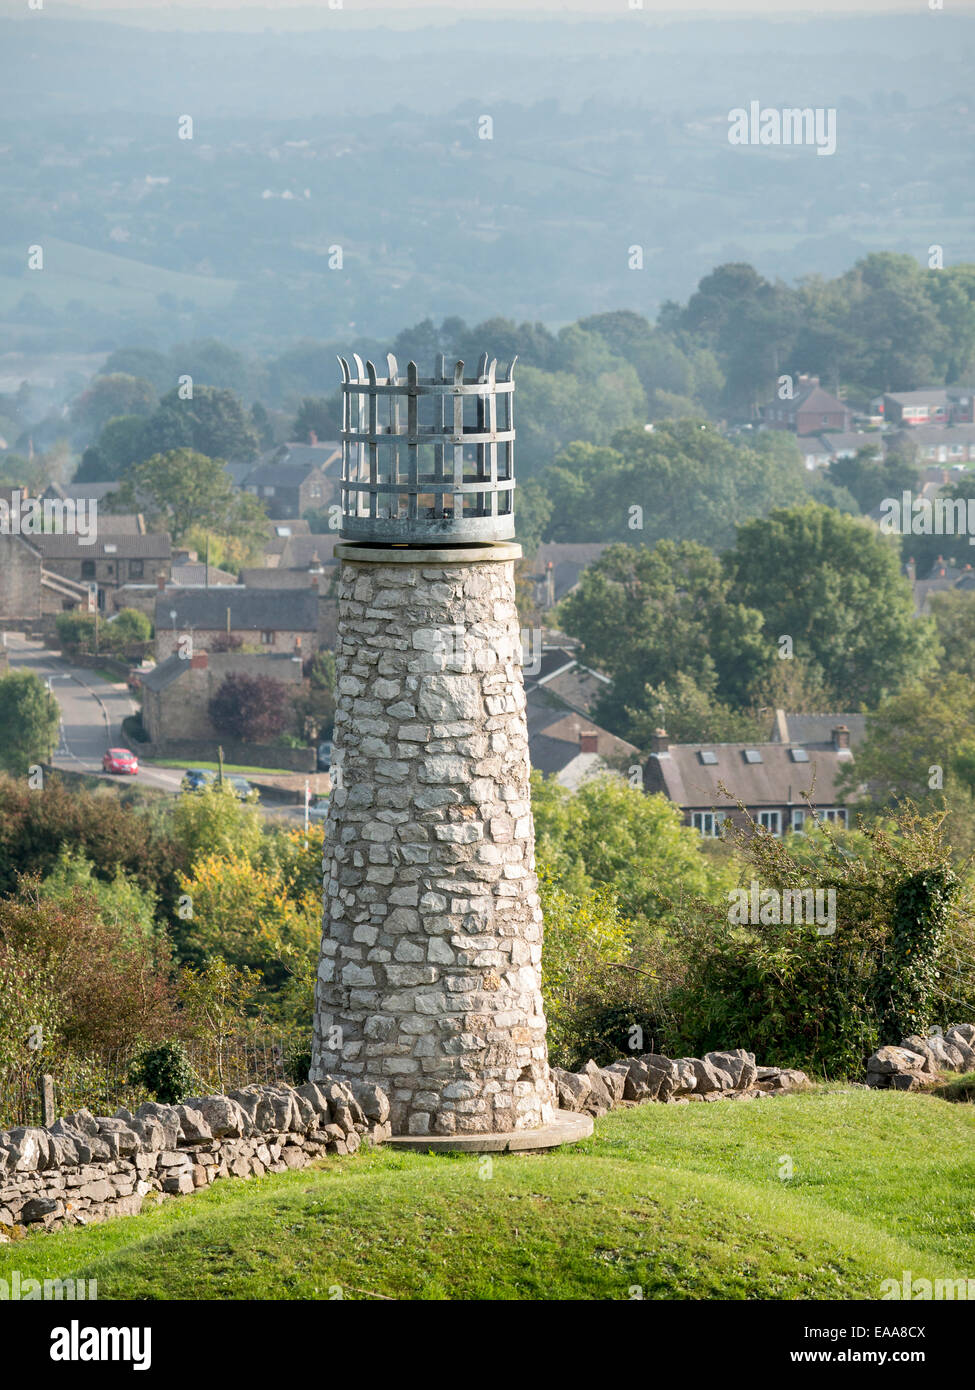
x,y
87,1168
429,982
20,578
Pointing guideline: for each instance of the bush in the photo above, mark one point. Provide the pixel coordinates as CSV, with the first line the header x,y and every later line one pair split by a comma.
x,y
165,1070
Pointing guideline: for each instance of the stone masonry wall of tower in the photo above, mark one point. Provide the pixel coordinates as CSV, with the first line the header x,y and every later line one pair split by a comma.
x,y
429,982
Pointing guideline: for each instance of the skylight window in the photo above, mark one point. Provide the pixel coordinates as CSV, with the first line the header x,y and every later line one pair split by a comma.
x,y
707,756
799,755
752,755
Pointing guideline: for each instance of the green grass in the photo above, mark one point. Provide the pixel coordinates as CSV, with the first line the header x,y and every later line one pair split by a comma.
x,y
684,1201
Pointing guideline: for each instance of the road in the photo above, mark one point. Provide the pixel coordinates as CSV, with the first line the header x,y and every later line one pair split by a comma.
x,y
92,710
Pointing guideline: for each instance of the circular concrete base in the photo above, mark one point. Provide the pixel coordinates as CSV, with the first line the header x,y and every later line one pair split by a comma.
x,y
566,1128
483,552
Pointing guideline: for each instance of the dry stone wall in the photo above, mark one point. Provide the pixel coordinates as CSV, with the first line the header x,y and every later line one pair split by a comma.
x,y
429,983
732,1075
919,1061
86,1167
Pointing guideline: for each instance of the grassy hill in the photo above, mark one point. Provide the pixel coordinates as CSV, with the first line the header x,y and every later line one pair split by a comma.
x,y
683,1201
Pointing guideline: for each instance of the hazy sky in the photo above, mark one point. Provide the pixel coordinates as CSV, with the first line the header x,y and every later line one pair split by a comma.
x,y
778,9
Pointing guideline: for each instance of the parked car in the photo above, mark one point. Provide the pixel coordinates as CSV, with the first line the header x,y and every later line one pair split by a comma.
x,y
325,755
196,778
318,809
239,786
120,760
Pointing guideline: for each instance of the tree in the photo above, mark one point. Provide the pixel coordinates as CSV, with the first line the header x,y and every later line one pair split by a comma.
x,y
833,586
212,422
252,708
613,836
30,719
214,821
870,479
121,443
182,489
643,615
318,415
111,396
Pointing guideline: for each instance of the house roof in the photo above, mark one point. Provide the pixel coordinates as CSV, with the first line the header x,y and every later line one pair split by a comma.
x,y
936,434
290,464
302,552
845,440
775,780
197,574
251,610
77,491
155,546
563,676
811,729
932,395
554,737
165,673
567,560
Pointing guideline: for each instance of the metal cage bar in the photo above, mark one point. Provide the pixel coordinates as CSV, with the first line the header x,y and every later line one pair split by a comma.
x,y
409,493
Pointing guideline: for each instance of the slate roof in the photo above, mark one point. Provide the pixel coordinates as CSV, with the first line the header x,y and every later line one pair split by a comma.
x,y
251,610
810,729
165,673
155,546
776,780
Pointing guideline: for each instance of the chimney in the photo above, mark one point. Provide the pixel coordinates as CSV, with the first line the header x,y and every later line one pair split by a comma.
x,y
911,568
198,661
297,646
588,741
841,737
160,582
660,742
312,437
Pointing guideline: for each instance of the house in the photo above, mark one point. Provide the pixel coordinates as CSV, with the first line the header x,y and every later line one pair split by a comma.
x,y
810,411
816,730
569,747
29,591
114,558
556,670
934,405
281,532
814,452
945,575
847,444
296,478
558,567
949,444
234,615
176,694
775,781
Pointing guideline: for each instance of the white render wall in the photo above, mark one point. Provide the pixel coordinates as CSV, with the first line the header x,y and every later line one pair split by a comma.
x,y
429,981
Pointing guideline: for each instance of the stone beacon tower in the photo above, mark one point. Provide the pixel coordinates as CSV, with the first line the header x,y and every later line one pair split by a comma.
x,y
429,979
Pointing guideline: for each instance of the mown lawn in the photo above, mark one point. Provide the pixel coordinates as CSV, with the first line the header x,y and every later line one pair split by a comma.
x,y
682,1201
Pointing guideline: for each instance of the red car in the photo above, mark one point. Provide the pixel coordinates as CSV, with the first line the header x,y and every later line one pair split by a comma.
x,y
120,760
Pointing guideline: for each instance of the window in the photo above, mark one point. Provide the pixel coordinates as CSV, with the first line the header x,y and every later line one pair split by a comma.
x,y
799,755
136,569
87,569
707,822
770,821
836,815
798,819
707,757
752,755
267,638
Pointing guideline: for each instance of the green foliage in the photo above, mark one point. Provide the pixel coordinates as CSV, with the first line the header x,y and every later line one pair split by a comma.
x,y
645,615
213,821
690,482
164,1070
870,479
834,586
613,837
123,905
30,718
584,936
908,977
182,489
801,993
